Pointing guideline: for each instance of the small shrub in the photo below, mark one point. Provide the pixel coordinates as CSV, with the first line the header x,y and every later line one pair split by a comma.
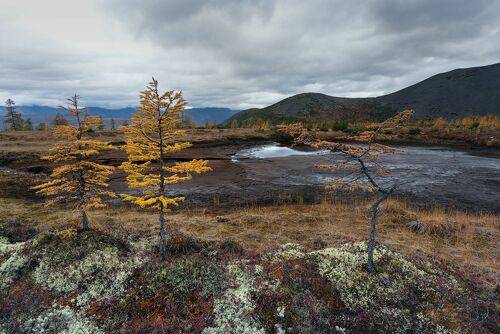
x,y
323,127
183,244
414,131
67,234
188,275
176,296
436,227
288,132
16,230
355,129
340,126
440,123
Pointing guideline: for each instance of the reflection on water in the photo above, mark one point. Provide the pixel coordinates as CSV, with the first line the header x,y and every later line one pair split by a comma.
x,y
272,150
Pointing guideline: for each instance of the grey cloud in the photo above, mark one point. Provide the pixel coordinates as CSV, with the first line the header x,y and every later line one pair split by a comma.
x,y
253,52
284,46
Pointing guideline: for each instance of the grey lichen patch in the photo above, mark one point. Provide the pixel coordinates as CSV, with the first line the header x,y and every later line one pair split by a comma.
x,y
6,248
13,263
102,274
289,251
390,283
234,310
62,320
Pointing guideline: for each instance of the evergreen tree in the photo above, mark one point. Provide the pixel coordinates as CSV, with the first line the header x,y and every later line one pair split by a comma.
x,y
59,119
113,126
152,135
28,126
100,123
42,127
13,118
78,178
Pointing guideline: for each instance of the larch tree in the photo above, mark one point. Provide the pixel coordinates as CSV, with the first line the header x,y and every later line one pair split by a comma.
x,y
13,118
359,167
153,135
28,125
100,123
78,178
59,119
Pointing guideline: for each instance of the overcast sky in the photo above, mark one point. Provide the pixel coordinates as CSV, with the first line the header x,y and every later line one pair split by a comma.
x,y
239,54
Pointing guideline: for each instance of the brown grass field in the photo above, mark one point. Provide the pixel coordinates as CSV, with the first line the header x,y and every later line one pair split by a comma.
x,y
464,243
40,141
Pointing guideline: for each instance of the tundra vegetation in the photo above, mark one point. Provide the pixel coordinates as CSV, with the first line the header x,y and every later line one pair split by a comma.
x,y
13,118
291,268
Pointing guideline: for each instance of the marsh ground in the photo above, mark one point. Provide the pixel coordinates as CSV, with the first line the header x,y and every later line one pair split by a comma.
x,y
460,243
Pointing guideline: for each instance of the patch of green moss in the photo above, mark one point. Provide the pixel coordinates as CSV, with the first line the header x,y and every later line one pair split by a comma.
x,y
186,275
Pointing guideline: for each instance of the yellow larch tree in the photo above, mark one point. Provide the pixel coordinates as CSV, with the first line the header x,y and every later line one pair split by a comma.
x,y
359,165
77,178
153,135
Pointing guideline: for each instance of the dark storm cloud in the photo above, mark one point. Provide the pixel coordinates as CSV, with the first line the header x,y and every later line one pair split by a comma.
x,y
254,52
339,47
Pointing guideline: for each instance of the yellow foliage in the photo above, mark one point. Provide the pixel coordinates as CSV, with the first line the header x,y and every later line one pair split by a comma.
x,y
440,122
360,161
151,137
67,234
293,130
77,178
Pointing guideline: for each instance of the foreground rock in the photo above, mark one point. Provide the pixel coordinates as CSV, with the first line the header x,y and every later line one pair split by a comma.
x,y
69,282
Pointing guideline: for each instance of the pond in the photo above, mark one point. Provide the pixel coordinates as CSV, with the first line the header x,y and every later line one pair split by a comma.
x,y
273,150
432,174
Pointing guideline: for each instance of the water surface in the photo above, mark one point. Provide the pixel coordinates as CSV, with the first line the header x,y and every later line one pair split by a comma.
x,y
432,174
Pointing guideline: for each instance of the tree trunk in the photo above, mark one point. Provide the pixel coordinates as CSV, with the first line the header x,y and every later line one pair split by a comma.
x,y
162,186
85,221
373,224
162,235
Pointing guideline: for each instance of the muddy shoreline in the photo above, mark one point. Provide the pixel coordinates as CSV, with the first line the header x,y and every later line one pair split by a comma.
x,y
290,179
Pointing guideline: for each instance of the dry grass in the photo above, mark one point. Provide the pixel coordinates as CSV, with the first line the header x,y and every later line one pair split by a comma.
x,y
25,141
483,131
41,141
466,243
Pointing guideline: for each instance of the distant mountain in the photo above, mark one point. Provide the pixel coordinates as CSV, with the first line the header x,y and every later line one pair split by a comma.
x,y
454,94
316,107
200,116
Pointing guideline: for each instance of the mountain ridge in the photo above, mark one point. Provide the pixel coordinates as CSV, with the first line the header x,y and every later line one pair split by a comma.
x,y
450,95
44,114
